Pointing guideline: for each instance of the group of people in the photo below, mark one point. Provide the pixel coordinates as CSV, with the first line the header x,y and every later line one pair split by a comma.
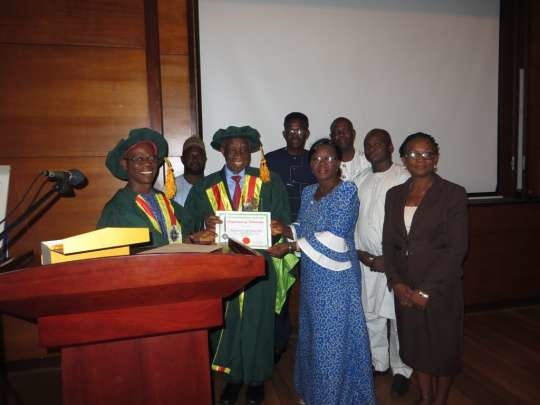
x,y
380,244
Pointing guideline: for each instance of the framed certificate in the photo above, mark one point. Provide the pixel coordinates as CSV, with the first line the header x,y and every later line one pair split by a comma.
x,y
248,227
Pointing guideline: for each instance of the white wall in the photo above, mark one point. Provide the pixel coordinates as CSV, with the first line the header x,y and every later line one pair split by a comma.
x,y
406,66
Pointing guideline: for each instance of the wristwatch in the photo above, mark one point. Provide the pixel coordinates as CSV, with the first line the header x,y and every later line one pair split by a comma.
x,y
290,245
423,294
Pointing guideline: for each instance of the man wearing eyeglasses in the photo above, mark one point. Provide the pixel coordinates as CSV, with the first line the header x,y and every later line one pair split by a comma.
x,y
136,160
377,300
343,134
291,163
243,348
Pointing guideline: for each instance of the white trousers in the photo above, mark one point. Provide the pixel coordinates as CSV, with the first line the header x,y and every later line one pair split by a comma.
x,y
384,350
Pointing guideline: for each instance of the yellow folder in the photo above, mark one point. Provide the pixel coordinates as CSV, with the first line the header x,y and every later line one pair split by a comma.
x,y
103,242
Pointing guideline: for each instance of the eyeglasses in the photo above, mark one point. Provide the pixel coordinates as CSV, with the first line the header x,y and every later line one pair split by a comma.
x,y
327,159
415,155
298,131
141,159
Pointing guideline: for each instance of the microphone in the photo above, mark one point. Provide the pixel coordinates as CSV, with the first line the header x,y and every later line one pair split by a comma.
x,y
73,177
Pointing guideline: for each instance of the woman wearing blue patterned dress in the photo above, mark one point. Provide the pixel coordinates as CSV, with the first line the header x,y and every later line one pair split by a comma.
x,y
333,361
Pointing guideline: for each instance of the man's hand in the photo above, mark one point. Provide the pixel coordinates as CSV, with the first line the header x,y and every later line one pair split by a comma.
x,y
375,263
279,249
205,237
418,300
277,227
211,221
378,264
365,257
403,293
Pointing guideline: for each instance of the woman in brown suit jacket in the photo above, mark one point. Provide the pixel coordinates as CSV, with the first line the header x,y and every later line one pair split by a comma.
x,y
425,240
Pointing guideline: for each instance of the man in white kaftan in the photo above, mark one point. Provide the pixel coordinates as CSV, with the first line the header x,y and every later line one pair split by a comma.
x,y
354,167
354,161
377,299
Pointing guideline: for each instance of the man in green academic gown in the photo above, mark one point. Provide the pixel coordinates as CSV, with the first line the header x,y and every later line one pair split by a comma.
x,y
243,348
136,160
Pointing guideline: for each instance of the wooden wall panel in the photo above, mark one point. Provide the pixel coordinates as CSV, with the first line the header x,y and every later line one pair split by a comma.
x,y
74,22
175,74
531,184
509,62
519,49
69,101
502,263
176,103
74,80
532,118
173,35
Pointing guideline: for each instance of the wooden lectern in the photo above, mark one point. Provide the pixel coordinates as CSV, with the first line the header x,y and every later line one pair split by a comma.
x,y
133,329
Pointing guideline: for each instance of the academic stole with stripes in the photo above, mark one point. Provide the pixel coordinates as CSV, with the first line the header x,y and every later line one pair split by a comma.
x,y
251,194
172,225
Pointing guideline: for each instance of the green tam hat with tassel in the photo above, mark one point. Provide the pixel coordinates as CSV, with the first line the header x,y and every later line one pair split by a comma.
x,y
135,137
245,132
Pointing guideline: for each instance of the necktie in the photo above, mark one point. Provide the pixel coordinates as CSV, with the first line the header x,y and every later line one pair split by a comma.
x,y
237,193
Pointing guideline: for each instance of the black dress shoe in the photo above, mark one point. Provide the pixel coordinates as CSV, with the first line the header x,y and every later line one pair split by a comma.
x,y
377,372
230,394
255,394
400,386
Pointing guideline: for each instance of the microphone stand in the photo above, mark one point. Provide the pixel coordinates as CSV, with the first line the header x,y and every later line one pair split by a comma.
x,y
60,189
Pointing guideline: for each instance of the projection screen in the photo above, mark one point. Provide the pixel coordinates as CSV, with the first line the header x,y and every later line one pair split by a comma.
x,y
406,66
